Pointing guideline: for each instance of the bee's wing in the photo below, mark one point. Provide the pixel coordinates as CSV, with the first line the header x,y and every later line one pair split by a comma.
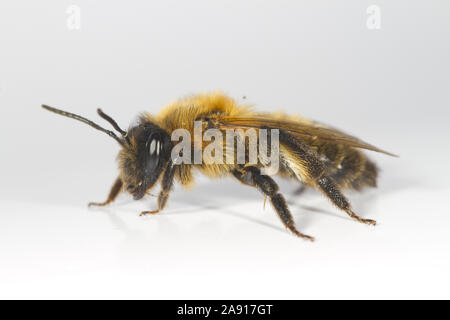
x,y
300,128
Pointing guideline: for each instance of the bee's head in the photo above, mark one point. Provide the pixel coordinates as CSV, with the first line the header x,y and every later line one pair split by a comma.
x,y
144,157
145,154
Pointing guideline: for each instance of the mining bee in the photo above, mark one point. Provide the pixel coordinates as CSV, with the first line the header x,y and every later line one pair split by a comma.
x,y
313,154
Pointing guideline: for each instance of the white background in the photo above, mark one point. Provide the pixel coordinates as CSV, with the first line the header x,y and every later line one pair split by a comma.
x,y
316,58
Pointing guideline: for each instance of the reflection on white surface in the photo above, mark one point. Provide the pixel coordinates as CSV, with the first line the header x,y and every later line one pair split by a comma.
x,y
224,245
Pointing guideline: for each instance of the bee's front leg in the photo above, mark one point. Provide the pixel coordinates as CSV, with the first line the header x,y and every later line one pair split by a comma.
x,y
166,187
115,190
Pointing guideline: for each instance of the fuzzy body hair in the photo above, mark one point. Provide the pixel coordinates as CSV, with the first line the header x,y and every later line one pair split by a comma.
x,y
348,166
314,154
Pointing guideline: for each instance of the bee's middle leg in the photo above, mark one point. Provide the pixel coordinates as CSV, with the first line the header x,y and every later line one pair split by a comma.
x,y
115,190
270,189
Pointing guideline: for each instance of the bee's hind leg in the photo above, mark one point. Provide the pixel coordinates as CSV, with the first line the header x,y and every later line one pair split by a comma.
x,y
332,192
115,190
316,174
270,189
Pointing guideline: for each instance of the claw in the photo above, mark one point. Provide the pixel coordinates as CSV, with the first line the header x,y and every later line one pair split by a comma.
x,y
97,204
369,222
361,220
301,235
144,213
308,238
304,236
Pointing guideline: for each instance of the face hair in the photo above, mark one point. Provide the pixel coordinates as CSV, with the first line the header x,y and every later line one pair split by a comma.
x,y
91,123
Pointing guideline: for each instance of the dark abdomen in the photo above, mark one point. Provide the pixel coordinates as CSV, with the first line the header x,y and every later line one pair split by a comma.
x,y
349,167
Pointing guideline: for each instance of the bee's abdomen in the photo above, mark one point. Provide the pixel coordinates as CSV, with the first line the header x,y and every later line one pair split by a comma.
x,y
349,167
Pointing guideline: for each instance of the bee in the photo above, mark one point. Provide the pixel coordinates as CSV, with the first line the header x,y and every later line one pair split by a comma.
x,y
313,154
